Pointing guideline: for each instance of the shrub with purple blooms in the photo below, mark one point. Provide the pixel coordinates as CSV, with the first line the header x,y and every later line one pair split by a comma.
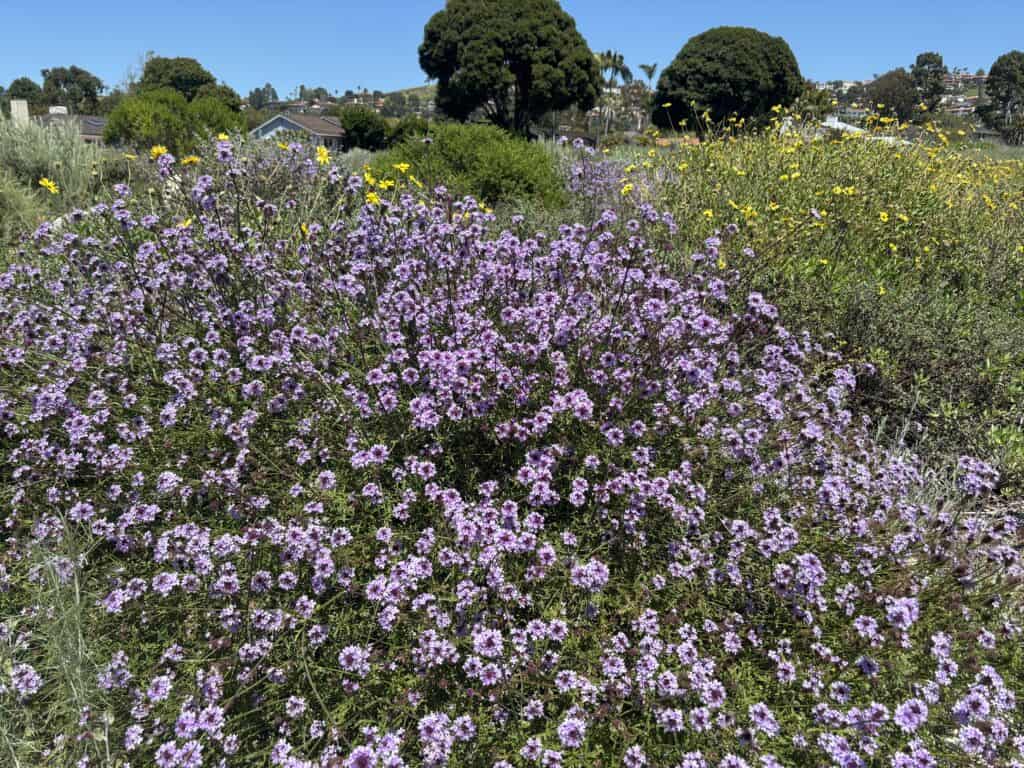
x,y
302,470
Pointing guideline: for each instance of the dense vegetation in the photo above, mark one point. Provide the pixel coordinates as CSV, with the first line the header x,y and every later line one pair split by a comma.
x,y
515,61
356,476
726,71
457,449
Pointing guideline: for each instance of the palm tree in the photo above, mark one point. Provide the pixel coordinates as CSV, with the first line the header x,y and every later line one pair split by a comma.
x,y
613,66
649,70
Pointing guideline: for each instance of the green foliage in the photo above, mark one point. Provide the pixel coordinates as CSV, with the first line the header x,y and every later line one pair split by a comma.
x,y
260,97
479,160
20,209
184,75
514,60
813,104
153,117
1005,91
928,72
30,152
73,87
410,126
363,128
727,71
223,93
210,115
913,256
894,94
25,88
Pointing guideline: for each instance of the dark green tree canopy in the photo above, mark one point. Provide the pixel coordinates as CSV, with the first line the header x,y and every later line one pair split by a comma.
x,y
260,97
896,93
225,94
513,59
1004,86
25,88
725,71
73,87
363,127
184,75
928,72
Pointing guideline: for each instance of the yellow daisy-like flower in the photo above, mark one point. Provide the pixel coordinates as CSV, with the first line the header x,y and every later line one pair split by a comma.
x,y
387,184
708,213
401,167
49,186
282,145
156,150
626,189
222,137
883,216
189,160
323,157
373,198
415,181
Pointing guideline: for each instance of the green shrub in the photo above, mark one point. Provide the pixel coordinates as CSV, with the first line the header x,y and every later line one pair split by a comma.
x,y
410,126
363,128
482,161
210,116
20,210
153,117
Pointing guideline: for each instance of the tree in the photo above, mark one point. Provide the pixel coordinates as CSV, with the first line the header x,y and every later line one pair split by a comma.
x,y
153,117
72,87
209,115
363,128
225,94
395,105
25,88
894,94
1004,89
929,74
513,59
613,66
814,103
726,71
184,75
260,97
649,70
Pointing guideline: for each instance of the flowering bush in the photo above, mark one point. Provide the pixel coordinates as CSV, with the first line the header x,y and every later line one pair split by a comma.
x,y
394,488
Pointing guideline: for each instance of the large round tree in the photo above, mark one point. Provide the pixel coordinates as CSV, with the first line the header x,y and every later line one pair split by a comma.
x,y
1004,89
726,71
513,59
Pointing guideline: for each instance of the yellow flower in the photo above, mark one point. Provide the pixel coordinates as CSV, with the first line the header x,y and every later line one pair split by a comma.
x,y
49,186
305,230
373,198
903,217
222,137
156,150
322,155
884,216
189,160
626,189
881,290
282,145
387,184
708,213
401,167
186,223
666,105
415,181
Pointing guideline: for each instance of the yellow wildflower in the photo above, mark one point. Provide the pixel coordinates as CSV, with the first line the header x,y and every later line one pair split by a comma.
x,y
49,186
666,105
884,216
156,150
186,223
189,160
627,188
708,213
323,157
401,167
222,137
282,145
373,198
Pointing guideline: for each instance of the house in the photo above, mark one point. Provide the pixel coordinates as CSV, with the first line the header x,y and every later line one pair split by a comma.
x,y
90,127
320,130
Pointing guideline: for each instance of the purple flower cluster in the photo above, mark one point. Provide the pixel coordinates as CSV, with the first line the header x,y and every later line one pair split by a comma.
x,y
395,488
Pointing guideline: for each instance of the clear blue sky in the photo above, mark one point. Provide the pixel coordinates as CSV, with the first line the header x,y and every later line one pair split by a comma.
x,y
373,43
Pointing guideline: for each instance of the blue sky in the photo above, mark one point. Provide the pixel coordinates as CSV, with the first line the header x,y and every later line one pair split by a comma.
x,y
343,45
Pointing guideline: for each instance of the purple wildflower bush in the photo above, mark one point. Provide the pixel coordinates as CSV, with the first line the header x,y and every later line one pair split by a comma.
x,y
396,487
